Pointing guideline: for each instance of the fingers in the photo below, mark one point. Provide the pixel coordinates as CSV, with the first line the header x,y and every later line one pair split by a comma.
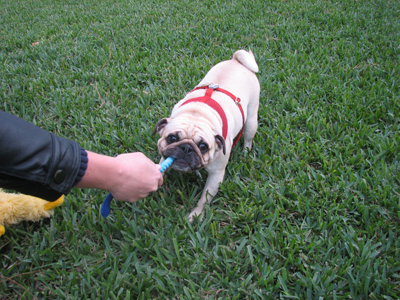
x,y
138,176
160,182
161,178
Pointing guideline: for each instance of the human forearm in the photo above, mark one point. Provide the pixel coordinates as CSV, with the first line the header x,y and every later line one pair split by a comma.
x,y
99,172
39,163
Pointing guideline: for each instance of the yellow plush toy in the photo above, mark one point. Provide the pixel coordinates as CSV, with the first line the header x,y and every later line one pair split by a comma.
x,y
15,208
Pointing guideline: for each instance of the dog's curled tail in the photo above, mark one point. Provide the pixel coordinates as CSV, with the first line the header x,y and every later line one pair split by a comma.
x,y
247,59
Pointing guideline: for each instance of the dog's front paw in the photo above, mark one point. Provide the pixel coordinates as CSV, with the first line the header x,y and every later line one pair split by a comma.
x,y
196,213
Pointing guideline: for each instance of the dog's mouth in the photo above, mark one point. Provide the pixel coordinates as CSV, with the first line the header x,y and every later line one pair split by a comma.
x,y
182,165
186,158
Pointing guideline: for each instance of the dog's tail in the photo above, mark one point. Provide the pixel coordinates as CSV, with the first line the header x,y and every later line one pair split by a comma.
x,y
247,59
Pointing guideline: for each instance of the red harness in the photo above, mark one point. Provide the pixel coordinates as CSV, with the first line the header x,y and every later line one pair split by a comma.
x,y
214,104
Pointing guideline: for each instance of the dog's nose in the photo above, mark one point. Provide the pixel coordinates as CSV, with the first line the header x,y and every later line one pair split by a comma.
x,y
186,148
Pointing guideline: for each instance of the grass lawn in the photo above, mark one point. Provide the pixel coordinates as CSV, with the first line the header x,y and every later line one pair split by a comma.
x,y
311,213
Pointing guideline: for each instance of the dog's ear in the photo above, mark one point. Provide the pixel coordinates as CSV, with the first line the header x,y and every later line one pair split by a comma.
x,y
219,140
160,125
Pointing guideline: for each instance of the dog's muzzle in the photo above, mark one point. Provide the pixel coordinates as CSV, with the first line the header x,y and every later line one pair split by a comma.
x,y
187,146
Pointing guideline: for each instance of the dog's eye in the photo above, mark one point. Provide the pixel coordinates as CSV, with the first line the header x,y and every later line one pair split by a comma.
x,y
172,139
203,147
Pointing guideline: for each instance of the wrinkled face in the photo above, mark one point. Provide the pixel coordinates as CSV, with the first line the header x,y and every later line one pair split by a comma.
x,y
192,142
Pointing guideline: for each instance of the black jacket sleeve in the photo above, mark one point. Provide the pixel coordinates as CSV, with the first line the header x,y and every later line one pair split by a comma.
x,y
36,162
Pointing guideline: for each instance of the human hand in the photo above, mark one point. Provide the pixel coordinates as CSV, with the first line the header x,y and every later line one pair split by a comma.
x,y
136,177
128,177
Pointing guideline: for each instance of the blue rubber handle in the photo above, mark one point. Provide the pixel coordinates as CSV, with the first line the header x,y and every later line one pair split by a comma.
x,y
166,164
106,206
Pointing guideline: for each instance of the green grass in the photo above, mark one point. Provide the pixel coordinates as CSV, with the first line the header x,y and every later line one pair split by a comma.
x,y
311,213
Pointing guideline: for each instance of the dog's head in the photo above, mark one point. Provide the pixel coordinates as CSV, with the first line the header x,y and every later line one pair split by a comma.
x,y
191,141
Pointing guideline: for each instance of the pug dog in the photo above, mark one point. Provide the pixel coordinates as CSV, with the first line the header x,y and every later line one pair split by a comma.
x,y
201,130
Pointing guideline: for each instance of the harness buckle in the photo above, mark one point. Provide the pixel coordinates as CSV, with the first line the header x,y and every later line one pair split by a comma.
x,y
213,86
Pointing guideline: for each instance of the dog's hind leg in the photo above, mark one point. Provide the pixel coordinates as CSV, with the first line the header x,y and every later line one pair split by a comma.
x,y
251,125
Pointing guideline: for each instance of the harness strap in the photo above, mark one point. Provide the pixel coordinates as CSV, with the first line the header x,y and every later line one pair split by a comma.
x,y
214,104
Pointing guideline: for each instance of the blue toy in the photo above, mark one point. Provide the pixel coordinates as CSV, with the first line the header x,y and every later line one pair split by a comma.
x,y
105,208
